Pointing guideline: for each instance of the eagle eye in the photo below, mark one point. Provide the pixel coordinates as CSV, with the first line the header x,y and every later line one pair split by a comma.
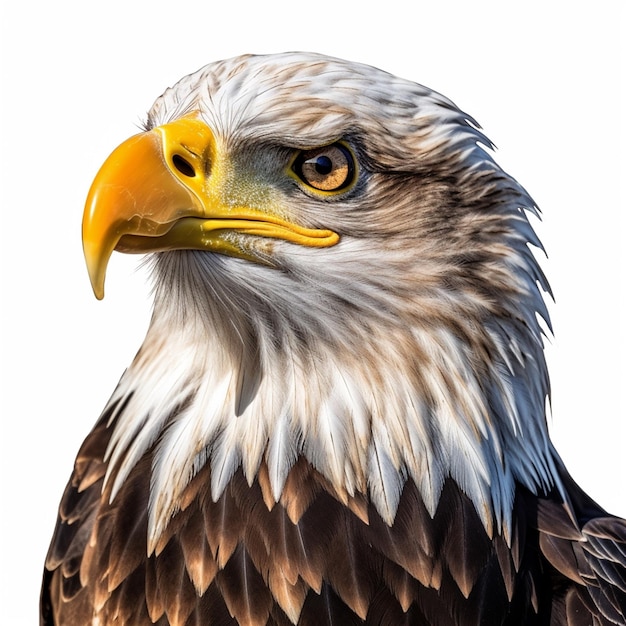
x,y
330,168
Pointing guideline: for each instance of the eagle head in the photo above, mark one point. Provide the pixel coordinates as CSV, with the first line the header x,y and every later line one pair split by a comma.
x,y
342,273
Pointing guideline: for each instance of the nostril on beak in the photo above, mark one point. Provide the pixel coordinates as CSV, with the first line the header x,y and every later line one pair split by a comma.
x,y
183,166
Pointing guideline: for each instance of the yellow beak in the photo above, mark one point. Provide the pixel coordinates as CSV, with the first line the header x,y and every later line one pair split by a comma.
x,y
155,192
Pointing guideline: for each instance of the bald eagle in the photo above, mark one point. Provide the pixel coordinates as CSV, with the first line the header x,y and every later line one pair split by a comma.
x,y
338,413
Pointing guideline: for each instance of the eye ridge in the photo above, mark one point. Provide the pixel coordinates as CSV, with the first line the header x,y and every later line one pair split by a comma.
x,y
329,168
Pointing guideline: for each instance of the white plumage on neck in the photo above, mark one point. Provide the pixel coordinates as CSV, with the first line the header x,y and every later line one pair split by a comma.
x,y
232,387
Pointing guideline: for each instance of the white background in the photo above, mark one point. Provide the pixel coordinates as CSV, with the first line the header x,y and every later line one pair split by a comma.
x,y
543,79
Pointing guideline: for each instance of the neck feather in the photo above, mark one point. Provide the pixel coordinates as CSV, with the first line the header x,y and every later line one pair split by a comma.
x,y
367,404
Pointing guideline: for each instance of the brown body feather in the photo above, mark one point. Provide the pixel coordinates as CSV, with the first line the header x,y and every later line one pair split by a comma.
x,y
311,559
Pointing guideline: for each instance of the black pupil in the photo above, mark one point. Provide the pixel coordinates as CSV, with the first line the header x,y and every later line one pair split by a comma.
x,y
323,165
